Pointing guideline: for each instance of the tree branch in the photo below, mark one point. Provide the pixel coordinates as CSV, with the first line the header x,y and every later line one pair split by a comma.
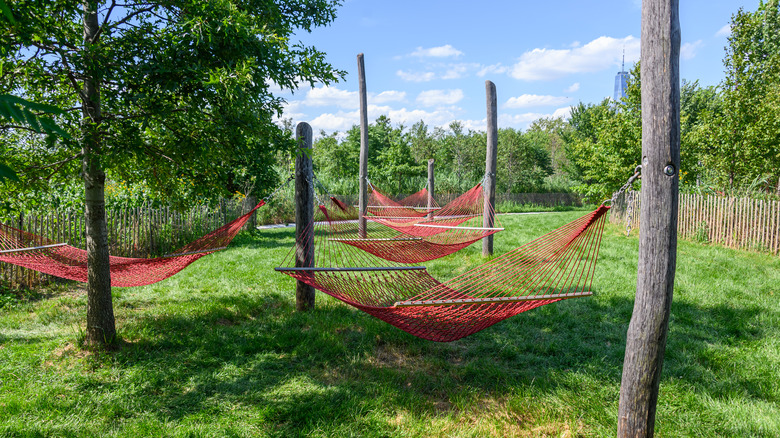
x,y
58,163
105,20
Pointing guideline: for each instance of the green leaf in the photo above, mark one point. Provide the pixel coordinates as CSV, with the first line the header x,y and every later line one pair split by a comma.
x,y
7,12
7,173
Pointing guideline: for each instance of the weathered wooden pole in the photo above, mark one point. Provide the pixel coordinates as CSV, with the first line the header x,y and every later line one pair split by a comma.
x,y
489,185
363,173
431,182
647,331
304,214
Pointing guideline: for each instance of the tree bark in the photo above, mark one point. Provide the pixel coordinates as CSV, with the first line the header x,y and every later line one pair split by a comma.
x,y
647,331
431,188
101,327
304,215
491,161
363,172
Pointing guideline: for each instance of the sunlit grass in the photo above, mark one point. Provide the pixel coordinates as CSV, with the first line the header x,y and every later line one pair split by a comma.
x,y
218,350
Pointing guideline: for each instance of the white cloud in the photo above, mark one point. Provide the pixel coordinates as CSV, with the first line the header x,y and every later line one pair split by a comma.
x,y
599,54
334,122
388,96
535,100
434,118
564,112
331,96
416,76
445,51
457,71
724,31
439,97
492,69
573,88
688,50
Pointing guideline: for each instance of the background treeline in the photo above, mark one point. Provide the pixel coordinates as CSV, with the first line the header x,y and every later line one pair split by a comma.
x,y
730,143
398,158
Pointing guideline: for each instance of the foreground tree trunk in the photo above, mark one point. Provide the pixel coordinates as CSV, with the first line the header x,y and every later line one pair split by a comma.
x,y
101,328
647,331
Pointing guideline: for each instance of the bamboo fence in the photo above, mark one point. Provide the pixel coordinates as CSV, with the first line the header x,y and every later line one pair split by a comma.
x,y
132,232
739,223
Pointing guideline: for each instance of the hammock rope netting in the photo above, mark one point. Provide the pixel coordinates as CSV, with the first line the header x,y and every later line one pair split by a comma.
x,y
410,239
556,266
382,209
61,260
415,205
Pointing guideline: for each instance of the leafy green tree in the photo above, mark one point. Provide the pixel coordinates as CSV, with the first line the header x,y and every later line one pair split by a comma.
x,y
423,144
174,92
604,145
396,162
748,132
548,133
337,162
523,162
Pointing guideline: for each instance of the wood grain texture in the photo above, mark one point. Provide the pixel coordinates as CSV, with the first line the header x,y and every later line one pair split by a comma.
x,y
491,157
304,214
363,173
647,331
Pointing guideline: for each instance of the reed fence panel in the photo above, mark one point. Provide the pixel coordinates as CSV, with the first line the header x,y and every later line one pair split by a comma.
x,y
739,223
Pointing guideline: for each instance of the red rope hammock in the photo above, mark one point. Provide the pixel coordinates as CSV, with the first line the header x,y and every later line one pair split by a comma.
x,y
43,255
380,204
466,206
431,239
556,266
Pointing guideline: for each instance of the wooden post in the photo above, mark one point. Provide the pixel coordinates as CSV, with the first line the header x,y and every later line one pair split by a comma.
x,y
363,173
647,331
489,186
431,181
304,214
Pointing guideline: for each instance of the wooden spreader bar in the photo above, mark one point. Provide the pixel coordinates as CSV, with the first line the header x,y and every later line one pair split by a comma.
x,y
495,300
194,252
6,251
388,239
400,268
394,217
459,228
403,206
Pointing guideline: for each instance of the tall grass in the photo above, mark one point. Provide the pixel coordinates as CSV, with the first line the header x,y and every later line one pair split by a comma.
x,y
218,350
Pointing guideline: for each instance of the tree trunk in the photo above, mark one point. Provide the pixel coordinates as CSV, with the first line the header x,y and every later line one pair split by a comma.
x,y
647,331
101,328
491,160
304,215
363,172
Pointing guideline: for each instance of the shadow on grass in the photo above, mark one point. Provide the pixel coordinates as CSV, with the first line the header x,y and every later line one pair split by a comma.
x,y
300,371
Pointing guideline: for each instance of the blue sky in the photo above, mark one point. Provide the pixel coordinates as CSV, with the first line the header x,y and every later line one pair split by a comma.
x,y
429,59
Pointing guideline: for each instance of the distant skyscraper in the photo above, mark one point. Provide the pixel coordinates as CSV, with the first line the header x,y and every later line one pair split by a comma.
x,y
621,81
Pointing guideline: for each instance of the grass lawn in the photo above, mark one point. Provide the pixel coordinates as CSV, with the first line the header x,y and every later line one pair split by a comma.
x,y
218,350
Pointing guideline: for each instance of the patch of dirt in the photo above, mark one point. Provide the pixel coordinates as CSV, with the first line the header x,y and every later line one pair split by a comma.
x,y
65,355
